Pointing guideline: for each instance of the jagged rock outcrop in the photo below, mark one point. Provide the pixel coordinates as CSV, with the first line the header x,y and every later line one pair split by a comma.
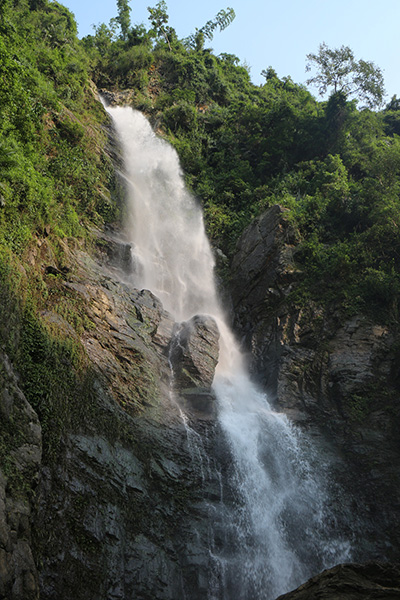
x,y
118,97
371,581
125,506
20,459
194,356
262,267
336,376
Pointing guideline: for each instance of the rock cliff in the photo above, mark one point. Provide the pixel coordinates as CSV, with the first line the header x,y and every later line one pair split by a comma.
x,y
125,501
119,508
20,452
335,375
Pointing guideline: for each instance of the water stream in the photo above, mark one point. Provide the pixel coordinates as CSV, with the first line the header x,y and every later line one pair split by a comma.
x,y
280,526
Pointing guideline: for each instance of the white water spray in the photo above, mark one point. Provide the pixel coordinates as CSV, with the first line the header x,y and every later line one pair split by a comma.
x,y
280,526
165,225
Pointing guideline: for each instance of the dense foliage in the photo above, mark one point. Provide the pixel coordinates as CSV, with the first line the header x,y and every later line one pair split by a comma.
x,y
242,147
245,147
52,172
55,182
338,69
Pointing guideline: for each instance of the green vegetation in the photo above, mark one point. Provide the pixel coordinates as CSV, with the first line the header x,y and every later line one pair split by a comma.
x,y
52,170
50,361
56,183
339,69
243,148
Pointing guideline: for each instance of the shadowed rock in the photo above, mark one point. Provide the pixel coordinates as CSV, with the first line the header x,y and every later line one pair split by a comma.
x,y
333,373
372,581
20,457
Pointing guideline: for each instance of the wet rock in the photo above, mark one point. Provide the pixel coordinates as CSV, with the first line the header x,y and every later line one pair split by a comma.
x,y
194,352
122,516
120,508
115,251
371,581
200,402
336,377
117,98
20,461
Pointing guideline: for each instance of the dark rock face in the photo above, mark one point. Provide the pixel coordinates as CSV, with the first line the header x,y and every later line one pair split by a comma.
x,y
126,508
261,267
129,521
371,581
20,459
263,274
338,378
194,354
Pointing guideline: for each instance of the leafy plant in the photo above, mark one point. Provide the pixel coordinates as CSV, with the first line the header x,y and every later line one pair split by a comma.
x,y
339,70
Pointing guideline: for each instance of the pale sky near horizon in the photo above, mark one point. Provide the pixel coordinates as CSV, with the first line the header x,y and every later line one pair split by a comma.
x,y
277,34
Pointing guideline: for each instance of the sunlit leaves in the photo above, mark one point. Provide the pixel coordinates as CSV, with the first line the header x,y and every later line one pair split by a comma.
x,y
338,70
221,21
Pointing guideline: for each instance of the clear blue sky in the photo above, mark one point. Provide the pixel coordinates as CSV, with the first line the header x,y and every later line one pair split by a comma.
x,y
277,33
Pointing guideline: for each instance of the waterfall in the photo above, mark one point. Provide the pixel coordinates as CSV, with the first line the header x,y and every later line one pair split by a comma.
x,y
280,526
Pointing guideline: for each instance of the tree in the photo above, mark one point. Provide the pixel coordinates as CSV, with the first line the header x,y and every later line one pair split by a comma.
x,y
269,74
222,20
338,69
159,19
124,19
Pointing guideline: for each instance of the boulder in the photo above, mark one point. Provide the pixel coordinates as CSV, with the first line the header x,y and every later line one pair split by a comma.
x,y
193,355
194,352
371,581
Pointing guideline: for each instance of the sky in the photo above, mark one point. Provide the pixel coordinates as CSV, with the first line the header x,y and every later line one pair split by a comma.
x,y
278,34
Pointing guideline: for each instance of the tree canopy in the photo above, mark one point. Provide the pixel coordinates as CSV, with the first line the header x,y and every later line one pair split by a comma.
x,y
242,147
337,69
222,20
124,19
158,17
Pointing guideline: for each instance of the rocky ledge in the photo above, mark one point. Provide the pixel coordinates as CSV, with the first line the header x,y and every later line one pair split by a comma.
x,y
371,581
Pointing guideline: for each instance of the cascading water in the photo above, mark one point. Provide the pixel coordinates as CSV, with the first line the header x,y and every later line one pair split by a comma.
x,y
279,529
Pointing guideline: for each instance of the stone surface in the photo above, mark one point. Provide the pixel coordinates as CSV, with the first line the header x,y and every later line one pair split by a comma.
x,y
193,355
194,352
20,459
122,519
118,98
130,507
371,581
126,508
262,268
336,377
